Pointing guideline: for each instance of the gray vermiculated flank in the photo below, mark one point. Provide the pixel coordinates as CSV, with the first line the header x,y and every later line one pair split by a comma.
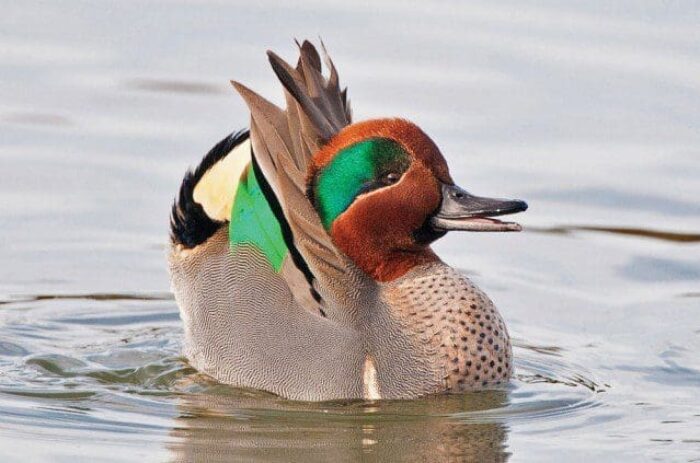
x,y
243,327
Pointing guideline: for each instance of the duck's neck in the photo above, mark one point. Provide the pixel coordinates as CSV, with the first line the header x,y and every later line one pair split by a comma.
x,y
383,256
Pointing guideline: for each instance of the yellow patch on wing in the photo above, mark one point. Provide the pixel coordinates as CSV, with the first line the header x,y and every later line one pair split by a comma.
x,y
216,190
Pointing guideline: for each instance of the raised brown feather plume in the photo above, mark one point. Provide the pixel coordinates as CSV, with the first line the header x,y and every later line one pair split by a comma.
x,y
284,141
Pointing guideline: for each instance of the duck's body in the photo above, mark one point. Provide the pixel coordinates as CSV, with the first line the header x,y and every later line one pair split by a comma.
x,y
300,256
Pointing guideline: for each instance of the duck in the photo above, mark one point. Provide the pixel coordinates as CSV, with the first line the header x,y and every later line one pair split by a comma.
x,y
300,254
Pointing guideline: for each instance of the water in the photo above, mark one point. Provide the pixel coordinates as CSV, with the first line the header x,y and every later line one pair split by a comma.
x,y
589,110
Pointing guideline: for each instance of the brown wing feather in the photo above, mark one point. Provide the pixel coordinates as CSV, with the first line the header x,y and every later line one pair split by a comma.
x,y
284,142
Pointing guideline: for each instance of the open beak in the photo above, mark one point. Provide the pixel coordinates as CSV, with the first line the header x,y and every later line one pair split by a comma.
x,y
460,210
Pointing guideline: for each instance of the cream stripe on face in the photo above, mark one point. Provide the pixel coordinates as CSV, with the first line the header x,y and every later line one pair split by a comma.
x,y
216,190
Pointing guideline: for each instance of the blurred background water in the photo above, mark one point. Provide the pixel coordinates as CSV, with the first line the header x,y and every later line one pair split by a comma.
x,y
589,110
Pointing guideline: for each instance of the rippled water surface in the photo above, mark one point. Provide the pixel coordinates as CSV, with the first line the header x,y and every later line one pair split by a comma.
x,y
589,110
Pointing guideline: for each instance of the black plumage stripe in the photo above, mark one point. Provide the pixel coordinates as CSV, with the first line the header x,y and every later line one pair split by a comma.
x,y
190,226
286,229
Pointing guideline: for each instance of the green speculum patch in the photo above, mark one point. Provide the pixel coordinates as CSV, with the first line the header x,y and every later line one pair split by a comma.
x,y
254,223
354,170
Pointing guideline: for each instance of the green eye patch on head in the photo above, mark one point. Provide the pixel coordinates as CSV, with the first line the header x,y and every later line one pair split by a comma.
x,y
356,169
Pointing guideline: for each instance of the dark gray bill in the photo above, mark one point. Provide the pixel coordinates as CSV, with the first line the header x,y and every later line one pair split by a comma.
x,y
460,210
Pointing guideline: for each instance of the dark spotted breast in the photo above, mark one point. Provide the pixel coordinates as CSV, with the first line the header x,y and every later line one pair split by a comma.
x,y
455,325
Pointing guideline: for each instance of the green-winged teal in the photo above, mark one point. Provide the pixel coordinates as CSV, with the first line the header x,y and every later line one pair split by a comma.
x,y
300,254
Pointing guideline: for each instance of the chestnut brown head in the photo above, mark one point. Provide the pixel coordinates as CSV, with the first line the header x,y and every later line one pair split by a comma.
x,y
384,192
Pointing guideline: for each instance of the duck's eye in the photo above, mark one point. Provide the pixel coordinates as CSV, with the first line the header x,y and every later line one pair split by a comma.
x,y
390,178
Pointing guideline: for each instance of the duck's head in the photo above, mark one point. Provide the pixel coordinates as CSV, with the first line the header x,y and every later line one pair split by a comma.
x,y
384,192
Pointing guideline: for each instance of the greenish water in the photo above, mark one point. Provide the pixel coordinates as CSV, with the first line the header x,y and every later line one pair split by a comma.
x,y
588,110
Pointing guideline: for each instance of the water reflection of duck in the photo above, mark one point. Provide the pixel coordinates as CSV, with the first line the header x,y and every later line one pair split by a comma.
x,y
300,255
252,427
